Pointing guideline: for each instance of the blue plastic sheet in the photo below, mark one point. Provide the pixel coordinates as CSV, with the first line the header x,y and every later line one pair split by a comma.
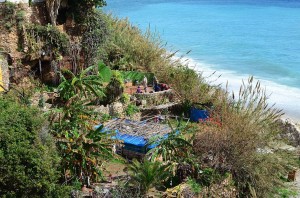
x,y
138,141
197,114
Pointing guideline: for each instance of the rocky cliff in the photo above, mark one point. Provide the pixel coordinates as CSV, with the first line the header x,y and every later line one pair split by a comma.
x,y
30,47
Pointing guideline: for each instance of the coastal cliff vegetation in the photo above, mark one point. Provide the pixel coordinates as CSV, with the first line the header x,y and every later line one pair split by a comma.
x,y
69,49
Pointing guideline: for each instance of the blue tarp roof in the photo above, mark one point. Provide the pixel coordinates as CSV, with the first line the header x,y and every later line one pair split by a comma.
x,y
139,141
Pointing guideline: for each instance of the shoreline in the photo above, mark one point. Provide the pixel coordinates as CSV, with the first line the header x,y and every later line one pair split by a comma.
x,y
284,97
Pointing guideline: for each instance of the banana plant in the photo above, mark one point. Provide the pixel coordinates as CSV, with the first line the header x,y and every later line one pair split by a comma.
x,y
171,147
82,85
83,153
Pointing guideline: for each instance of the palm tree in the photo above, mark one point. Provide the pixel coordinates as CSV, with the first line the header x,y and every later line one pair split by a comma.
x,y
147,175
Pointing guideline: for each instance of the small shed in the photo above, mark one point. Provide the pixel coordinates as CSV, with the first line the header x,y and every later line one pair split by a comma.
x,y
135,135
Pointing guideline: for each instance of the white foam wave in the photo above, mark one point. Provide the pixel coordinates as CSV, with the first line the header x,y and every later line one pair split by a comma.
x,y
284,97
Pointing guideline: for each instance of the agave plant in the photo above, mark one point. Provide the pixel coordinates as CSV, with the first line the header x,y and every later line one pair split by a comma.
x,y
147,174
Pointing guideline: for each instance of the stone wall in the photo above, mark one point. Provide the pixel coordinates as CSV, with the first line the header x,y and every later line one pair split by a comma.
x,y
290,132
156,98
114,109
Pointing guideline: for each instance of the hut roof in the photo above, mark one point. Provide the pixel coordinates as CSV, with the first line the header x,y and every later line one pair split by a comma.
x,y
137,132
145,129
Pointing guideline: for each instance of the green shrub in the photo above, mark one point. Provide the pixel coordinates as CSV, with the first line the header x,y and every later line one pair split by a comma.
x,y
195,187
28,158
20,15
286,193
105,117
49,37
115,87
95,34
131,110
82,148
128,48
8,26
9,11
125,98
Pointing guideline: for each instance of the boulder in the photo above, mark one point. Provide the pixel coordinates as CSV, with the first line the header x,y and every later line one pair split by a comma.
x,y
290,132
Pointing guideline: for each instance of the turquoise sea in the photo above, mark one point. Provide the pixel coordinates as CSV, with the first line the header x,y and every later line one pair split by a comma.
x,y
236,38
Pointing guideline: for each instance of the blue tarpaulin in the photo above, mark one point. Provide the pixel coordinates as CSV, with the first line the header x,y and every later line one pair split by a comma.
x,y
138,141
197,114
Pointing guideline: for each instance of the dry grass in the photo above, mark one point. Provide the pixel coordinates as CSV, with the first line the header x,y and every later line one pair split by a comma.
x,y
241,142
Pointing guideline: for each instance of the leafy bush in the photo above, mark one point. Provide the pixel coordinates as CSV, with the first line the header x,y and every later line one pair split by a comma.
x,y
81,8
95,33
195,187
50,40
131,110
105,117
115,87
8,26
128,48
28,158
125,98
286,193
8,11
175,147
82,148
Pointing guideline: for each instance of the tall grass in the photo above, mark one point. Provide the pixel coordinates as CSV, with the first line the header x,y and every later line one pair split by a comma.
x,y
243,142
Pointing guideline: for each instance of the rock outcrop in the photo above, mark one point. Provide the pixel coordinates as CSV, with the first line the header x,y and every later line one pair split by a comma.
x,y
290,132
4,74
